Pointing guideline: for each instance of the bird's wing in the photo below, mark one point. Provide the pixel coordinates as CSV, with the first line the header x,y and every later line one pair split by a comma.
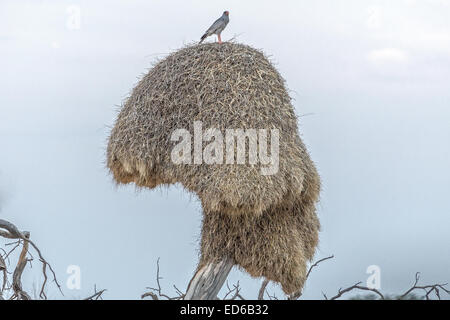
x,y
219,23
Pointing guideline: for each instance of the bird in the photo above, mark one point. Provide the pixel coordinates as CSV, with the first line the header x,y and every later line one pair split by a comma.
x,y
217,27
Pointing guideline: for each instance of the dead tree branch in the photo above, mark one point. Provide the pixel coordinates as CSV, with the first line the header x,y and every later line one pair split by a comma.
x,y
10,231
97,294
234,292
5,276
17,282
208,280
156,293
263,289
427,288
299,293
205,284
356,286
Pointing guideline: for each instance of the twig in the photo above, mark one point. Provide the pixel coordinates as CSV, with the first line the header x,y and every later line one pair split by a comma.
x,y
159,290
181,294
12,232
316,264
97,295
341,291
17,244
236,289
428,289
149,294
299,293
229,291
237,293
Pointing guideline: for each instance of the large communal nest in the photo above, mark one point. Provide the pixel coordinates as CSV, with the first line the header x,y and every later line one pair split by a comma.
x,y
265,222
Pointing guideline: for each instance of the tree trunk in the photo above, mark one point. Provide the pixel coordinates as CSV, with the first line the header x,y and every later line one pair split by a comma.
x,y
208,280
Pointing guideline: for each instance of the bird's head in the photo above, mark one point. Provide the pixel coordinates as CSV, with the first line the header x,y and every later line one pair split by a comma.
x,y
226,13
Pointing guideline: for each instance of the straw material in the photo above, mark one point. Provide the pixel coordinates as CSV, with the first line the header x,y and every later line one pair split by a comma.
x,y
266,223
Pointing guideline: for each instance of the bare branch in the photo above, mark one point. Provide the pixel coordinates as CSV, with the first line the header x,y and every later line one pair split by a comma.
x,y
154,293
235,291
149,294
263,289
97,294
416,281
17,281
230,290
316,264
427,288
5,273
12,232
356,286
299,293
180,293
237,294
208,280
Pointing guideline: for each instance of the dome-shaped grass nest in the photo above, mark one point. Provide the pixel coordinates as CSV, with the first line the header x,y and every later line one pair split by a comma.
x,y
265,222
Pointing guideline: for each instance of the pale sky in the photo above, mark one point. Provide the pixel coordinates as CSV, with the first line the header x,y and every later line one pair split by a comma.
x,y
370,82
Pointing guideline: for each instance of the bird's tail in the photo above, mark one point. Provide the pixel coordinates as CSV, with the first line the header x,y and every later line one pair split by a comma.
x,y
203,38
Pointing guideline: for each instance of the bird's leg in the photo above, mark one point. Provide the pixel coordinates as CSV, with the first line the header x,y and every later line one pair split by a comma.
x,y
220,39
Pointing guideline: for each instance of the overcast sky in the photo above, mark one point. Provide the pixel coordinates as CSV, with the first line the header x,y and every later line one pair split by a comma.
x,y
370,81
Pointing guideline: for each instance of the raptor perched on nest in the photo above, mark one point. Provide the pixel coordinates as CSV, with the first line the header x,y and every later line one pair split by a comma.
x,y
217,27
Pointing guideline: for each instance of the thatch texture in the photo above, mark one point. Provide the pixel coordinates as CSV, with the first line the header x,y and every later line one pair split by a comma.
x,y
266,223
